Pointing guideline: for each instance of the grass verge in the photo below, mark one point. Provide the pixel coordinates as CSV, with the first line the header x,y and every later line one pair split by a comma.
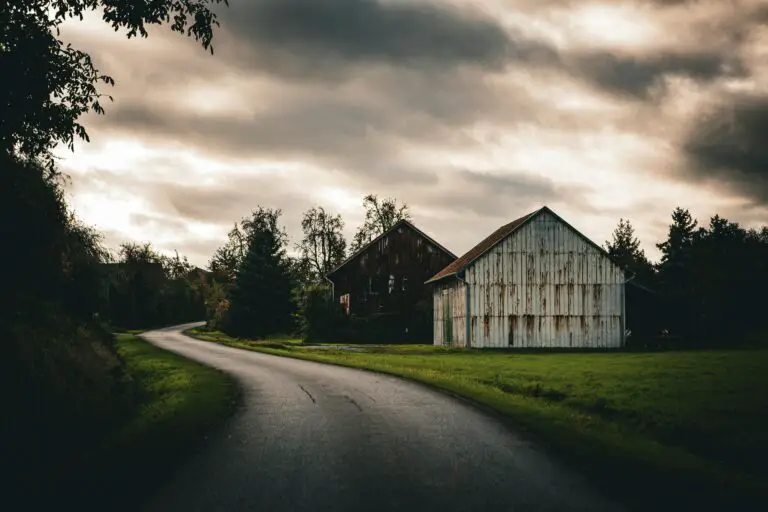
x,y
176,404
655,430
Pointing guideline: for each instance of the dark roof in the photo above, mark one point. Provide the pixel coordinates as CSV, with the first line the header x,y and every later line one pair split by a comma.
x,y
396,225
480,249
497,236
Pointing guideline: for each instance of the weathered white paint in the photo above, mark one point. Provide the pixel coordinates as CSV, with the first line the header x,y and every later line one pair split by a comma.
x,y
452,293
542,286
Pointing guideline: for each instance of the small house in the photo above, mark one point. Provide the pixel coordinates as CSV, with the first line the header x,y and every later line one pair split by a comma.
x,y
535,282
387,277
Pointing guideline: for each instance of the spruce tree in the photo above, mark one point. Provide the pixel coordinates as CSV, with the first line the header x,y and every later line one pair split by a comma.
x,y
625,249
260,300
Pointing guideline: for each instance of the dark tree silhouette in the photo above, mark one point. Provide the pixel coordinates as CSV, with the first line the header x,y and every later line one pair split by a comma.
x,y
261,298
624,248
323,246
47,85
380,215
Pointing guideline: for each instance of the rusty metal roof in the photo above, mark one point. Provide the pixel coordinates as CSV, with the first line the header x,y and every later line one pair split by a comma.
x,y
500,234
370,244
481,248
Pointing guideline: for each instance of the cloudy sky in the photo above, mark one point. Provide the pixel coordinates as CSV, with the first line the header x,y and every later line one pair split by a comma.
x,y
474,112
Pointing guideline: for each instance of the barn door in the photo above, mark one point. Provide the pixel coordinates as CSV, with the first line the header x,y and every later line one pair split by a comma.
x,y
447,319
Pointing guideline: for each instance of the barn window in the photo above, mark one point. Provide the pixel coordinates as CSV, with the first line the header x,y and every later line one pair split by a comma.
x,y
405,283
344,300
391,283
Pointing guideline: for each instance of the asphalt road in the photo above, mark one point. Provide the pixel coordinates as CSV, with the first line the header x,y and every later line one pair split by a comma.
x,y
314,437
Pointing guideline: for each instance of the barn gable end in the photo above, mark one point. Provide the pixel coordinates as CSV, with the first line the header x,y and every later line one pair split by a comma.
x,y
542,285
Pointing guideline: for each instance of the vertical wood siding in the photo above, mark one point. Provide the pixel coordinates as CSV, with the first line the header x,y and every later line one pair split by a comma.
x,y
455,292
543,286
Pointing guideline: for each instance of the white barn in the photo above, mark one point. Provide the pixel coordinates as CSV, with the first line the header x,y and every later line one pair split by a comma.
x,y
535,282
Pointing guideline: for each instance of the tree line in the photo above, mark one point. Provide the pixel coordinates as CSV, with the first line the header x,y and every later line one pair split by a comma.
x,y
710,283
265,291
704,291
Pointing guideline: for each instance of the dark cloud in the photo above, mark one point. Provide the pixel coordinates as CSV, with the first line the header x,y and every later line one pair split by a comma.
x,y
728,144
332,40
639,76
353,137
418,33
501,194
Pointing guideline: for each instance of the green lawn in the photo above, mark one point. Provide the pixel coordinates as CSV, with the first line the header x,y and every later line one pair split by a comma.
x,y
647,426
177,403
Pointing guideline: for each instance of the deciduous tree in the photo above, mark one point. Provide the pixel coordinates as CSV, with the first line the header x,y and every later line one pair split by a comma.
x,y
323,246
380,215
47,85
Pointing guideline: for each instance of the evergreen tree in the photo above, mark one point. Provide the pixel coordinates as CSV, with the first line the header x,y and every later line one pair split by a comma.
x,y
261,298
682,234
625,249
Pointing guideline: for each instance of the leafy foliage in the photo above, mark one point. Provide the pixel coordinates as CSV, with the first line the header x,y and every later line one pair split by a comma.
x,y
323,246
261,297
47,85
318,319
380,215
148,289
228,258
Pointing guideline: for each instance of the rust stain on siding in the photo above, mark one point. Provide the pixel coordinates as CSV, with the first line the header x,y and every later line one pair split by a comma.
x,y
530,267
561,323
512,320
529,326
487,325
558,288
597,295
571,290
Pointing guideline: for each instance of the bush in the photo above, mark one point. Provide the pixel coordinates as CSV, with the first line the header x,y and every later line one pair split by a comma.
x,y
378,328
318,320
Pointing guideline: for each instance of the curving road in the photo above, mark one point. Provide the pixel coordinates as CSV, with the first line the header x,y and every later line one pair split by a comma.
x,y
315,437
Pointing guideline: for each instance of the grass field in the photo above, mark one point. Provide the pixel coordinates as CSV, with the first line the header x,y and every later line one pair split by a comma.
x,y
680,427
177,402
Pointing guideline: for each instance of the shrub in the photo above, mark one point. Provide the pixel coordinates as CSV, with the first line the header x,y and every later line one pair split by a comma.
x,y
318,320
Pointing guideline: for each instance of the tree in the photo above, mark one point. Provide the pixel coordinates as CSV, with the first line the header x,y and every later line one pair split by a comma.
x,y
323,246
625,249
380,215
176,267
260,299
682,233
675,271
227,258
46,85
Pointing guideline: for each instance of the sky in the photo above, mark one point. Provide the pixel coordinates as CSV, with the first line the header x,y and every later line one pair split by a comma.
x,y
473,112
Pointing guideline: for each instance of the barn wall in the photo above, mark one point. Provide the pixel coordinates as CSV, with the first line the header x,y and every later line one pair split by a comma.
x,y
453,291
389,275
545,286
